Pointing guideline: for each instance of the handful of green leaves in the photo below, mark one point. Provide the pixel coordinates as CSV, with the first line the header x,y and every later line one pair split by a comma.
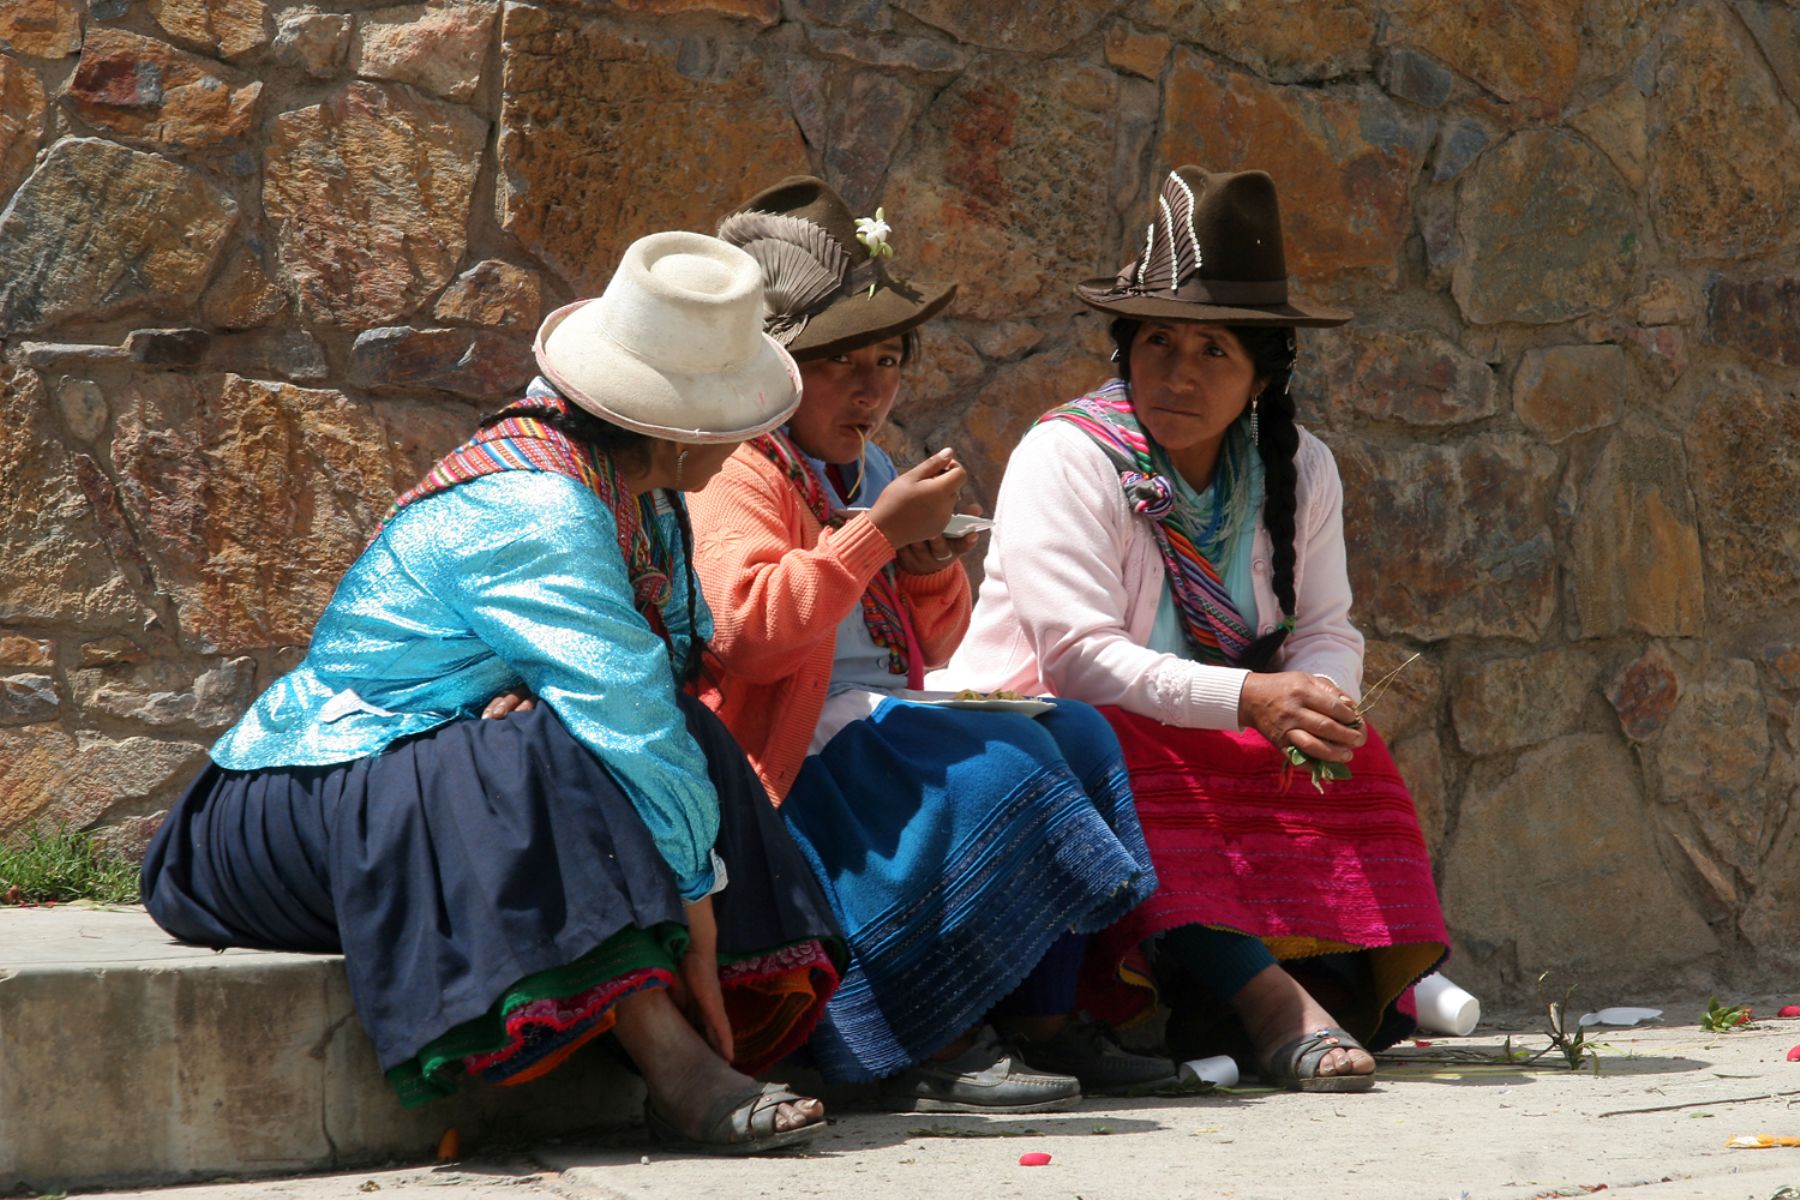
x,y
1318,768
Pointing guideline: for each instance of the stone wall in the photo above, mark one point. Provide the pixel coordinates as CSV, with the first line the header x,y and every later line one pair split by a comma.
x,y
261,261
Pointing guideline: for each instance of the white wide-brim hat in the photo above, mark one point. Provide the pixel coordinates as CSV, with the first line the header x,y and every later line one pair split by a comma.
x,y
674,346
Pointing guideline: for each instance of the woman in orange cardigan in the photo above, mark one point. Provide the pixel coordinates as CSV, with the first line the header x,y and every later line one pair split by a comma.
x,y
967,854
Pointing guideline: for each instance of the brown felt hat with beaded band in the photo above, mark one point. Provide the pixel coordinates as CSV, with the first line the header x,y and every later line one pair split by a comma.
x,y
1212,252
823,291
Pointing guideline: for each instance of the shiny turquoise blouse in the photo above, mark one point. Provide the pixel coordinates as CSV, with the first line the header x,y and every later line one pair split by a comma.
x,y
513,579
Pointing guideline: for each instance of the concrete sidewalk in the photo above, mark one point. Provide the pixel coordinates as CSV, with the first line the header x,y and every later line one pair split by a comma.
x,y
1428,1131
1435,1128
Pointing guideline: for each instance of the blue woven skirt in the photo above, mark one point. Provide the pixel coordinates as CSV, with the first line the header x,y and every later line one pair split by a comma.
x,y
955,846
480,856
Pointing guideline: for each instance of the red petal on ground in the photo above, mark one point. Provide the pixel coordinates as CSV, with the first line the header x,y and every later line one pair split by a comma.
x,y
1034,1158
1791,1010
1794,1054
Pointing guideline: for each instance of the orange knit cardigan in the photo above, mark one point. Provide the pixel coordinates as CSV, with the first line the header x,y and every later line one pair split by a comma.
x,y
778,585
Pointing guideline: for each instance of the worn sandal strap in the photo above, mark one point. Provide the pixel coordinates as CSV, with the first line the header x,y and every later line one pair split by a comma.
x,y
1300,1058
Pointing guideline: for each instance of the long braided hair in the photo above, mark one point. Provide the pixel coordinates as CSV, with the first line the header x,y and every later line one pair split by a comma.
x,y
1271,350
579,425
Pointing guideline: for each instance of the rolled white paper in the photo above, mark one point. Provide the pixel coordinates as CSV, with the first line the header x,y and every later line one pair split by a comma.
x,y
1220,1071
1445,1008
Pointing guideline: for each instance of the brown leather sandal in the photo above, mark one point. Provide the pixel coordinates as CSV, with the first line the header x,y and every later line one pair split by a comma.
x,y
1295,1066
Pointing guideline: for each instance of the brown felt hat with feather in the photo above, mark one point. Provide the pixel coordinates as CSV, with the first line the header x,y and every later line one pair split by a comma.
x,y
1212,253
823,292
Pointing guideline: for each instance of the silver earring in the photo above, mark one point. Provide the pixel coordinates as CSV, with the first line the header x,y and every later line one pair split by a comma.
x,y
1255,423
680,462
1115,355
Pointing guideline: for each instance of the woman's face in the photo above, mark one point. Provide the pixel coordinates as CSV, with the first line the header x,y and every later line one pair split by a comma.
x,y
1189,381
846,399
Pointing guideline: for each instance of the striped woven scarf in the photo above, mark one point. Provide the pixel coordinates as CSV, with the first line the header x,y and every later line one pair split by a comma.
x,y
527,444
1210,619
883,604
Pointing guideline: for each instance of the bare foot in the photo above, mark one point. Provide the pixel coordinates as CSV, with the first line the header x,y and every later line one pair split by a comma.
x,y
683,1073
1275,1010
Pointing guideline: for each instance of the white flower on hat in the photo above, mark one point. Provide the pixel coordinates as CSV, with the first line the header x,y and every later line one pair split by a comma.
x,y
872,232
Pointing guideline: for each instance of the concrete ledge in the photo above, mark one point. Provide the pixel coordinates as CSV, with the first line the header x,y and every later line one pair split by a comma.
x,y
126,1058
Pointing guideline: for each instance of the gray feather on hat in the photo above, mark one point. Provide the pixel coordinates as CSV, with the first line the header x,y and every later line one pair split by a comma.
x,y
802,265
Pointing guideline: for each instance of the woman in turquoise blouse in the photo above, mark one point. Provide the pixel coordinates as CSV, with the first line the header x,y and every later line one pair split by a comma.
x,y
505,890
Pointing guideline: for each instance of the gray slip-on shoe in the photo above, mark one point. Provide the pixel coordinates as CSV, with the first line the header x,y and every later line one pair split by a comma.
x,y
1087,1050
988,1077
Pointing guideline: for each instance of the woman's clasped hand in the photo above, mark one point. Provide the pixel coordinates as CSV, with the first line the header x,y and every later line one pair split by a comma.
x,y
1308,712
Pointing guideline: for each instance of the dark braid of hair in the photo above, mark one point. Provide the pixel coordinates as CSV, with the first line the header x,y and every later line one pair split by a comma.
x,y
1272,353
583,426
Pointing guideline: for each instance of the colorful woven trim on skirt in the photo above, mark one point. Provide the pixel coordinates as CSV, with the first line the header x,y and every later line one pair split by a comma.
x,y
545,1017
1240,845
773,1000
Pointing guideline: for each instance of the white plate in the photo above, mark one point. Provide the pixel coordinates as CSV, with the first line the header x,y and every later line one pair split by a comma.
x,y
956,526
961,523
1030,706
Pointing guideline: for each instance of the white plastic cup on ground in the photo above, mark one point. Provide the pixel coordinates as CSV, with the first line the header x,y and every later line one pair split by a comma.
x,y
1220,1071
1445,1008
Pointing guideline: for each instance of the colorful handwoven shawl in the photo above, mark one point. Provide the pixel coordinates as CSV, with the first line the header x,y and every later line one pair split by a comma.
x,y
523,443
884,606
1214,627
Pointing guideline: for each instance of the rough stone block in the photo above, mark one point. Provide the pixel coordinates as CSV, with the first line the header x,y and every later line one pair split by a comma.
x,y
1560,391
1637,565
56,567
1413,76
1553,861
28,699
1140,53
1457,146
1414,377
1436,554
82,406
439,47
1312,39
1712,758
1512,703
46,356
256,495
316,42
759,12
1759,316
42,28
49,779
597,137
1715,188
17,651
138,87
168,347
226,27
493,293
1549,232
1619,123
1644,693
480,364
1524,51
157,694
21,121
890,51
243,296
1744,450
1041,28
370,193
99,229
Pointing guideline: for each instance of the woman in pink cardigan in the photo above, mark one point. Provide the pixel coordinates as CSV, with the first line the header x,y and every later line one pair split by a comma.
x,y
967,854
1171,548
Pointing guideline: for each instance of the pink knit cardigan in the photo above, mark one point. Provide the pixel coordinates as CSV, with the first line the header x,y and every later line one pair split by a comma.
x,y
778,585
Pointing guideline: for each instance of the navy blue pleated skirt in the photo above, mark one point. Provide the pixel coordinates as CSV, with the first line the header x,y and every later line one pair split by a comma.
x,y
457,863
